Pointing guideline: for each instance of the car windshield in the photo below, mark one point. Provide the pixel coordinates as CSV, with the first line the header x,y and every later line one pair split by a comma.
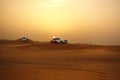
x,y
24,38
56,39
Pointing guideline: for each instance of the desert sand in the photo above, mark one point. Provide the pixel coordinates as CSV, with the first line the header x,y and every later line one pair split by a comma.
x,y
44,61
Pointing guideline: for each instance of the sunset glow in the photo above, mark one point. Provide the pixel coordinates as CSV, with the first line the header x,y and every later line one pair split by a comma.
x,y
54,37
53,3
94,21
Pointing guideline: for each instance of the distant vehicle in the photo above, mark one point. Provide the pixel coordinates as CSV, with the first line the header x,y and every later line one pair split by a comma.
x,y
24,39
58,41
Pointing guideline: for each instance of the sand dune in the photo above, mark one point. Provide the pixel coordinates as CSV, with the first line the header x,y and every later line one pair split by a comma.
x,y
34,60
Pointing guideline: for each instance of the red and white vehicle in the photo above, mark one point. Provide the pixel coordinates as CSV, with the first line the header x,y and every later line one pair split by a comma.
x,y
58,41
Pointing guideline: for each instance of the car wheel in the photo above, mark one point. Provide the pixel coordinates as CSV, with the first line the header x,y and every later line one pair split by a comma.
x,y
65,42
61,42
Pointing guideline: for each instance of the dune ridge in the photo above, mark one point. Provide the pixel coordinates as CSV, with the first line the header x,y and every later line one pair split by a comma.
x,y
47,45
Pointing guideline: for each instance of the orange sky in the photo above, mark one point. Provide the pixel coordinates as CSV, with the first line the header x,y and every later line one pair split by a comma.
x,y
79,21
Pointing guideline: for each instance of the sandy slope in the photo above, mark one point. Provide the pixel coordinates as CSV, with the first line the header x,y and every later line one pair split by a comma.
x,y
43,61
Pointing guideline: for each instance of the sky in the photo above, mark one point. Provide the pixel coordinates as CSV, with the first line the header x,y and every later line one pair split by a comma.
x,y
78,21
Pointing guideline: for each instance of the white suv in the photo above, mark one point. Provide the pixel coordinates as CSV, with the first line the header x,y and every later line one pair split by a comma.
x,y
24,39
58,41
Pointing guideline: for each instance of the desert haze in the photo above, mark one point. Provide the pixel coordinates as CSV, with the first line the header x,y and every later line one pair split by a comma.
x,y
79,21
34,60
90,27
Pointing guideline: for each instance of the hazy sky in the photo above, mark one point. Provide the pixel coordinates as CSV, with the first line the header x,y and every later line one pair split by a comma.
x,y
79,21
